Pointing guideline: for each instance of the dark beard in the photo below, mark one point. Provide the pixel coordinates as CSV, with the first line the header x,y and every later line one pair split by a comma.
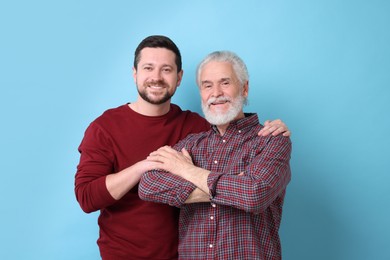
x,y
160,101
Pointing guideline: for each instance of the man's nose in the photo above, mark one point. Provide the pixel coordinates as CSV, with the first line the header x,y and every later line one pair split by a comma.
x,y
217,91
156,75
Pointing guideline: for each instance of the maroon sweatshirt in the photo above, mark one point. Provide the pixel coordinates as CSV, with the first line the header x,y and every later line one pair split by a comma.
x,y
130,228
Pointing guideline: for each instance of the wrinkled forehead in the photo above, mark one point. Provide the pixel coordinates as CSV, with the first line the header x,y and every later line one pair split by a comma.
x,y
215,71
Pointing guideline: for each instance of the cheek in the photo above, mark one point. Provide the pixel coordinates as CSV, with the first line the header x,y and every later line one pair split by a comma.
x,y
235,94
138,77
204,97
170,80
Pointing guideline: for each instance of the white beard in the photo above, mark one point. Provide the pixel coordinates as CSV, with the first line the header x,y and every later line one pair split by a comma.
x,y
219,118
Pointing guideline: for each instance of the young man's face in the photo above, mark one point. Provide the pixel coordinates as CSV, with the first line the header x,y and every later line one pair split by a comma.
x,y
156,75
222,94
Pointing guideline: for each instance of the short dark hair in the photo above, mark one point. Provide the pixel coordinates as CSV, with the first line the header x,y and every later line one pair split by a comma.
x,y
158,41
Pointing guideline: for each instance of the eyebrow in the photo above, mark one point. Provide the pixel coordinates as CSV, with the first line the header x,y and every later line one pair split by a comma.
x,y
219,81
153,64
224,79
205,82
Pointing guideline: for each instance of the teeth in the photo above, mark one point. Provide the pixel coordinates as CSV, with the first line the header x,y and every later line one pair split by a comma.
x,y
219,103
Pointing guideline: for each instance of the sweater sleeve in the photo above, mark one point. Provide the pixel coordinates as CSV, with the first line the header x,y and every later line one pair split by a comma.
x,y
264,179
96,162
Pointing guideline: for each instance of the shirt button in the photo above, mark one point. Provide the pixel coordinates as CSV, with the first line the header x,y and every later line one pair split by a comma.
x,y
215,162
211,245
211,217
239,131
213,205
223,141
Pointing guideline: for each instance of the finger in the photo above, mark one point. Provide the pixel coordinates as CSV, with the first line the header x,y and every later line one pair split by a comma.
x,y
260,133
170,152
276,122
165,149
162,152
154,165
282,129
158,165
277,131
155,158
156,153
263,132
268,130
187,155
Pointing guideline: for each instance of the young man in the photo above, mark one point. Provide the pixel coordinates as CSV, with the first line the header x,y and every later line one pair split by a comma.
x,y
229,184
113,153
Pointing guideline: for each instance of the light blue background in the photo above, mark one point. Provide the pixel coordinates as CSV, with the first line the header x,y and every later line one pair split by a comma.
x,y
322,66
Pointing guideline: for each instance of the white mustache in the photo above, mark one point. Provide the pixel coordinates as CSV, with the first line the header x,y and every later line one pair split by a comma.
x,y
217,100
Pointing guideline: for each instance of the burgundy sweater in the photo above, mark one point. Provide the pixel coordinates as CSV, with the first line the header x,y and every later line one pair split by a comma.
x,y
130,228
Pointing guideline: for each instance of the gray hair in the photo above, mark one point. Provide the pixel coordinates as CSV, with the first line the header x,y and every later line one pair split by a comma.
x,y
238,64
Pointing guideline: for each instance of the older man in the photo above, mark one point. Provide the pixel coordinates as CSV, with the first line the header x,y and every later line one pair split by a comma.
x,y
229,183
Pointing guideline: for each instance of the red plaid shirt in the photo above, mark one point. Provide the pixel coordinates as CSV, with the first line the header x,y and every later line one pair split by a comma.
x,y
243,218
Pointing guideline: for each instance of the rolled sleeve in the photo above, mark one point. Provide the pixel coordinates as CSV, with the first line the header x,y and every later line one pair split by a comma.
x,y
212,182
163,187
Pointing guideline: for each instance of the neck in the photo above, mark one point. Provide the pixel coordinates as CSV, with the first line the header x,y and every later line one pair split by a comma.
x,y
147,109
222,128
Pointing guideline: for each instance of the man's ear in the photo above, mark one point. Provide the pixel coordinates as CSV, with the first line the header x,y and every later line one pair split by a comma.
x,y
179,77
134,74
246,89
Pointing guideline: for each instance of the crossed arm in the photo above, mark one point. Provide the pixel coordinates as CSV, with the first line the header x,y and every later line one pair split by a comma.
x,y
118,184
181,165
181,182
97,187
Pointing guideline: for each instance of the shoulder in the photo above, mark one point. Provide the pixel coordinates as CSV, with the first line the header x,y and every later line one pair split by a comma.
x,y
198,136
193,140
175,109
259,142
256,126
192,121
112,114
279,143
109,118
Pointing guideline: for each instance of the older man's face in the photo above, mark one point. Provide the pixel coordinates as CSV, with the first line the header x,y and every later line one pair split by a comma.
x,y
222,94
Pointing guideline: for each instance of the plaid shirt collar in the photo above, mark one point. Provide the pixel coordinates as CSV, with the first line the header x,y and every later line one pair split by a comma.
x,y
250,120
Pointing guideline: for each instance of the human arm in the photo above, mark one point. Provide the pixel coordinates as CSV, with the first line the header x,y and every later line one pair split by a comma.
x,y
275,127
197,195
260,183
252,188
180,164
164,187
97,183
120,183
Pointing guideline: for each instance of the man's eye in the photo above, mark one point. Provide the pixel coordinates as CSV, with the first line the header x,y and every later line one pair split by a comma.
x,y
148,68
167,70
